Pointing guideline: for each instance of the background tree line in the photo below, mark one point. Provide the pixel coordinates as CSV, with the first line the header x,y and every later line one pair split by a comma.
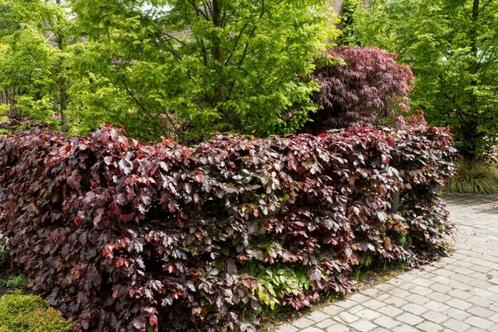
x,y
186,69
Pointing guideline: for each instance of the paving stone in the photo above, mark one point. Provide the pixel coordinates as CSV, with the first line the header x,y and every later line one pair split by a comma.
x,y
347,317
387,287
407,286
368,314
409,318
373,304
440,297
338,328
459,304
483,293
457,314
312,329
406,276
460,285
456,325
414,309
440,288
444,272
435,316
386,295
494,318
372,292
417,299
436,306
386,322
326,323
430,327
401,293
460,294
287,328
332,310
390,311
464,271
360,298
406,328
479,322
356,309
395,301
363,325
478,301
424,291
425,282
494,281
493,289
317,316
303,322
346,304
480,311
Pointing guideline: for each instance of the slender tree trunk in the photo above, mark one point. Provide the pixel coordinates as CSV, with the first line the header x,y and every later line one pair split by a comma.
x,y
470,128
13,113
61,83
217,18
337,6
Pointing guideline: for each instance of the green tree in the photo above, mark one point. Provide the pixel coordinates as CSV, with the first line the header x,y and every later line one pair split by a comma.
x,y
195,67
452,48
47,73
32,66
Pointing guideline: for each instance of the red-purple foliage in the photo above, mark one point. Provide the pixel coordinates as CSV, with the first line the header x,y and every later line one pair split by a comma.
x,y
370,85
123,236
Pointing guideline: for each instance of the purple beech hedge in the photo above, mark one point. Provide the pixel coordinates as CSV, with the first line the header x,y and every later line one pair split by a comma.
x,y
128,237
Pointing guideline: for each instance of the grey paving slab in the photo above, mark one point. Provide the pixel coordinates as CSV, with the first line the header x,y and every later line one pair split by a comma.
x,y
457,293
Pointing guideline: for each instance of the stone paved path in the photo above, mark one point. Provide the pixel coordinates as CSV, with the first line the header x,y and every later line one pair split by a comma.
x,y
457,293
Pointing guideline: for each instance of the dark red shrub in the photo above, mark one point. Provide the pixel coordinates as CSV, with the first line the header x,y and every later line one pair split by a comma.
x,y
369,85
123,236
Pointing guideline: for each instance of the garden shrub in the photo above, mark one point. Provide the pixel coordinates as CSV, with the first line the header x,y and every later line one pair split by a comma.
x,y
367,87
120,235
30,313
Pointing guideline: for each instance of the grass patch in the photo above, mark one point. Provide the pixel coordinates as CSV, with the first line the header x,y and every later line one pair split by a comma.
x,y
476,178
16,282
29,313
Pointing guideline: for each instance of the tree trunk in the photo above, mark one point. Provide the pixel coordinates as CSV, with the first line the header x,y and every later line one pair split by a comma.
x,y
217,17
61,83
470,130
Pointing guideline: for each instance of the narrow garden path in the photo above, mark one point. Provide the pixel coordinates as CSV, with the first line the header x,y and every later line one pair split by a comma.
x,y
458,293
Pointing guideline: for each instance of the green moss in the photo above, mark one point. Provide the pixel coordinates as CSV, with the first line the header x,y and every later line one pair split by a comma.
x,y
477,178
29,313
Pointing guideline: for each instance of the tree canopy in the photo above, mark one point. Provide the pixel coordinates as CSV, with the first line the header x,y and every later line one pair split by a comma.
x,y
181,69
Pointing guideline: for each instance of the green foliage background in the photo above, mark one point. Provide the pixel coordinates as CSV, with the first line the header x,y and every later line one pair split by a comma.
x,y
452,46
181,69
